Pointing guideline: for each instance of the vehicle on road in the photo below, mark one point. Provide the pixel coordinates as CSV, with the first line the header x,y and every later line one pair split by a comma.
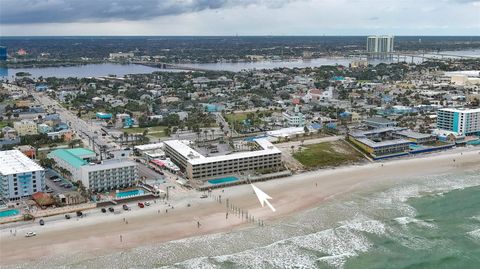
x,y
104,210
57,180
41,222
30,234
67,216
141,205
111,209
79,213
125,207
147,203
54,178
203,196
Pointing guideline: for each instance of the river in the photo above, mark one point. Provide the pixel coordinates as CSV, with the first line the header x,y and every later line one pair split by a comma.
x,y
120,70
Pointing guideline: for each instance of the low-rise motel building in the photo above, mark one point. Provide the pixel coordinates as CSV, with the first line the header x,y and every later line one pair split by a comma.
x,y
20,176
380,142
96,175
198,167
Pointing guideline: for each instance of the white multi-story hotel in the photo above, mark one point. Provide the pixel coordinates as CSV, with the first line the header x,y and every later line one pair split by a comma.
x,y
197,166
19,175
380,44
461,121
97,176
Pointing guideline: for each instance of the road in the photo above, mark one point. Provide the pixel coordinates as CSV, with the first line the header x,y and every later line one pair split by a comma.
x,y
85,131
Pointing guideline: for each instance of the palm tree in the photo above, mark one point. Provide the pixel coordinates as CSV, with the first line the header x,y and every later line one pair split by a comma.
x,y
205,132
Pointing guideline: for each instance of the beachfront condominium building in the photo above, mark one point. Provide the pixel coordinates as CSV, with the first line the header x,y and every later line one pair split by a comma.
x,y
96,175
380,44
19,176
460,121
25,127
198,167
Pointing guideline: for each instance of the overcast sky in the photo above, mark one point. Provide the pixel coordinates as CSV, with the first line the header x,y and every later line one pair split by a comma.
x,y
242,17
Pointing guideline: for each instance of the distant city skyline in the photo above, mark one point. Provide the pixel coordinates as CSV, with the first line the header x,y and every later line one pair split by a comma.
x,y
239,17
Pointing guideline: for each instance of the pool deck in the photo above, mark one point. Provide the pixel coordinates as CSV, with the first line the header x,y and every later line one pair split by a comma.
x,y
207,185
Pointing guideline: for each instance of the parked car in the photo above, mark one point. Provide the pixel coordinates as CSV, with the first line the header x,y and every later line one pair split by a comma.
x,y
161,173
67,216
147,203
141,205
42,222
104,210
30,234
125,207
68,186
204,196
57,180
54,177
111,209
79,213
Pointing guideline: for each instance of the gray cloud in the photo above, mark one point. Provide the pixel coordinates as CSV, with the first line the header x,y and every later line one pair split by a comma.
x,y
54,11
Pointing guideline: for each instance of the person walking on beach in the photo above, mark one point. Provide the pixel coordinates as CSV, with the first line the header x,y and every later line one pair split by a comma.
x,y
166,210
121,238
198,224
226,216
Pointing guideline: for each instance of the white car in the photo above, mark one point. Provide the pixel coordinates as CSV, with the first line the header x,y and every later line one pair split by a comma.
x,y
147,203
30,234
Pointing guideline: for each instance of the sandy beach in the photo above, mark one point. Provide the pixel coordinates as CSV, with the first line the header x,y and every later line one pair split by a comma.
x,y
99,234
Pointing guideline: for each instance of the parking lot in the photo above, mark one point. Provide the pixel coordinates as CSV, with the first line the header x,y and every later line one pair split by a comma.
x,y
56,183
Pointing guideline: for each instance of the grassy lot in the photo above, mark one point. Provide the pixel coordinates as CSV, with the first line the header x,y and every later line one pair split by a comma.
x,y
3,124
236,117
156,131
327,154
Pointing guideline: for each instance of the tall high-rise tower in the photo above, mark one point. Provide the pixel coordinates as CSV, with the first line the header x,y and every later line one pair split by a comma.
x,y
379,45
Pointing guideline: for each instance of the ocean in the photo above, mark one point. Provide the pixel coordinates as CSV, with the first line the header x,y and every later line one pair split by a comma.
x,y
431,222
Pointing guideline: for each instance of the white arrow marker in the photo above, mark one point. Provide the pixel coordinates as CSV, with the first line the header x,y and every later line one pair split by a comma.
x,y
263,197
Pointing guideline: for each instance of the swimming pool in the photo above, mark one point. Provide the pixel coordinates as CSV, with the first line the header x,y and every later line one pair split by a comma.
x,y
414,147
130,193
222,180
9,213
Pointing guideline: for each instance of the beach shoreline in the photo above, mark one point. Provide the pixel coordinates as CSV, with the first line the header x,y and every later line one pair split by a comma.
x,y
99,234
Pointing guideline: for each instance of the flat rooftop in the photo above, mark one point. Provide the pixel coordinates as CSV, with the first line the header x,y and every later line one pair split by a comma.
x,y
385,143
73,156
196,158
379,120
376,131
463,110
413,134
14,161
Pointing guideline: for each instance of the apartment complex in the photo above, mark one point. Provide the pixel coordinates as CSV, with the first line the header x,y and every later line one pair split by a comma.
x,y
294,118
96,175
460,121
25,127
196,166
19,176
380,44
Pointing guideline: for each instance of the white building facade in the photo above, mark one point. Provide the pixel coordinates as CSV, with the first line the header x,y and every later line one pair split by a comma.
x,y
20,177
380,44
199,167
461,121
